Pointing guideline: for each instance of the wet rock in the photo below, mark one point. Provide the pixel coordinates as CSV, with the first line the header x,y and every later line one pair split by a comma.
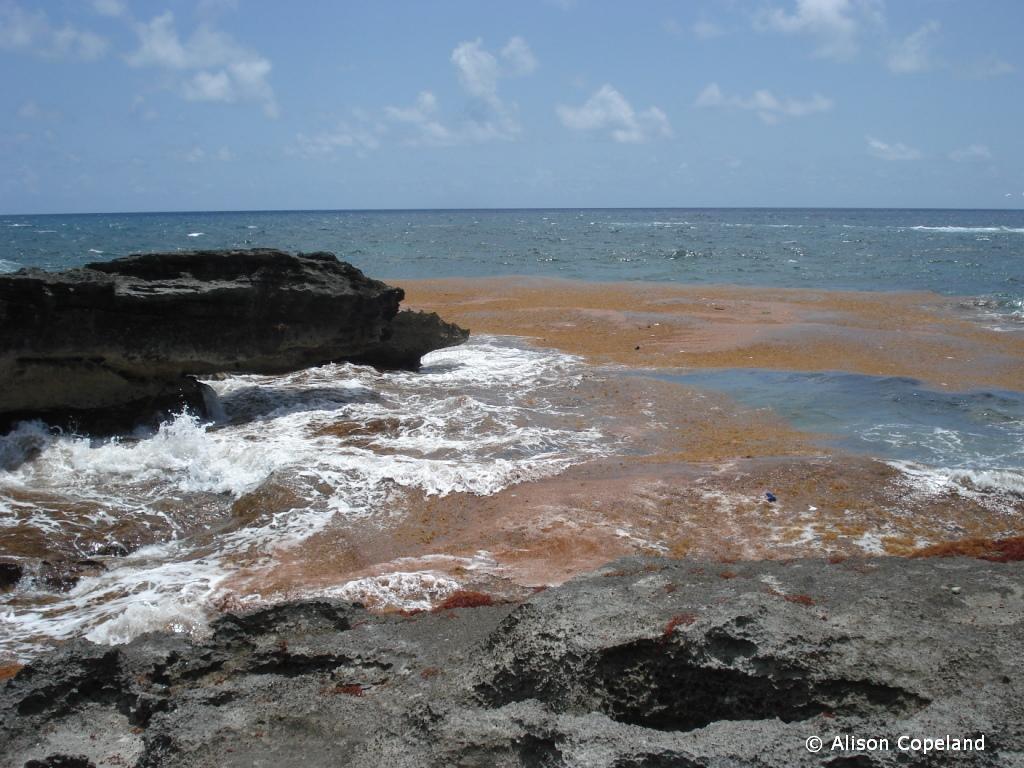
x,y
110,549
62,761
106,346
62,575
412,335
10,574
646,663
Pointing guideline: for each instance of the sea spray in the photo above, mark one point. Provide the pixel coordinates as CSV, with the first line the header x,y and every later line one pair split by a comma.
x,y
336,439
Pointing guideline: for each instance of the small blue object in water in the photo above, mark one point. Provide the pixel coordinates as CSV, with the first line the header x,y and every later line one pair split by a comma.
x,y
770,496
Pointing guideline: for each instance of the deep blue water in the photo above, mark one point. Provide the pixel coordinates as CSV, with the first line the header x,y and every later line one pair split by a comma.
x,y
970,253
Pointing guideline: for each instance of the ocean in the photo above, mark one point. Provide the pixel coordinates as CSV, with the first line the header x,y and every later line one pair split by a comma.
x,y
343,481
972,253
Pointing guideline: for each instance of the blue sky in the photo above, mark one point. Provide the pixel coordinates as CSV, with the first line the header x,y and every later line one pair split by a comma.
x,y
109,105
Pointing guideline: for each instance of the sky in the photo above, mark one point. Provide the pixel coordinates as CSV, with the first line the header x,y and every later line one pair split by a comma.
x,y
111,105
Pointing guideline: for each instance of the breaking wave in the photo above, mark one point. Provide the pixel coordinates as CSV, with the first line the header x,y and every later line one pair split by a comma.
x,y
987,230
330,444
999,489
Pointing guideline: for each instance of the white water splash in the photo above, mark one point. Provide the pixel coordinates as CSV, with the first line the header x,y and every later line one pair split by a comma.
x,y
998,489
1016,230
340,438
417,590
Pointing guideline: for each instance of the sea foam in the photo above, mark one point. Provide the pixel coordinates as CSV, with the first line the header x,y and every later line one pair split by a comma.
x,y
998,489
952,229
337,441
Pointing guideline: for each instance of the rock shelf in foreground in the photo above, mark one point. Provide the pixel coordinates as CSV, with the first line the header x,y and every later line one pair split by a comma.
x,y
113,342
645,663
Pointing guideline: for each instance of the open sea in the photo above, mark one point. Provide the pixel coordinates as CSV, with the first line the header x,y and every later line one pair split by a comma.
x,y
165,521
970,253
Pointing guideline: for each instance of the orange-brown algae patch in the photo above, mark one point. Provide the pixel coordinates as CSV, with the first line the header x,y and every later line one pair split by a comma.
x,y
920,335
680,620
995,550
689,480
805,600
465,598
799,599
268,498
549,530
7,671
353,689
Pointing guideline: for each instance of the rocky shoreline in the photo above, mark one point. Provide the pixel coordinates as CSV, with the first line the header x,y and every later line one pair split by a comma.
x,y
644,663
114,344
647,662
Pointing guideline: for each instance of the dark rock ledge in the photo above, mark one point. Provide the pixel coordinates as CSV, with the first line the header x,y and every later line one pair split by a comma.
x,y
645,663
115,343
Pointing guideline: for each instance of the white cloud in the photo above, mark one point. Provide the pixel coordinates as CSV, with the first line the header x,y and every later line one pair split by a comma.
x,y
81,44
221,70
481,129
971,153
702,29
913,53
834,24
209,86
992,66
360,133
142,110
326,143
488,116
32,110
424,109
18,28
518,56
608,110
673,27
159,45
479,71
31,32
706,30
886,151
29,111
197,154
423,116
109,7
428,129
194,155
209,9
768,107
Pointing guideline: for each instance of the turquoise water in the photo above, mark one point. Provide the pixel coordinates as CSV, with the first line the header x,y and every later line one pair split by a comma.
x,y
968,253
887,417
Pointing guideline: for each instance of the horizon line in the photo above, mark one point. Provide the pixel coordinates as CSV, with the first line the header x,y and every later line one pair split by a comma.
x,y
514,208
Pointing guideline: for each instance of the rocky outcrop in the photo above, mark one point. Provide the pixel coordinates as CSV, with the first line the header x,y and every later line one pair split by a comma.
x,y
102,345
412,334
646,663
